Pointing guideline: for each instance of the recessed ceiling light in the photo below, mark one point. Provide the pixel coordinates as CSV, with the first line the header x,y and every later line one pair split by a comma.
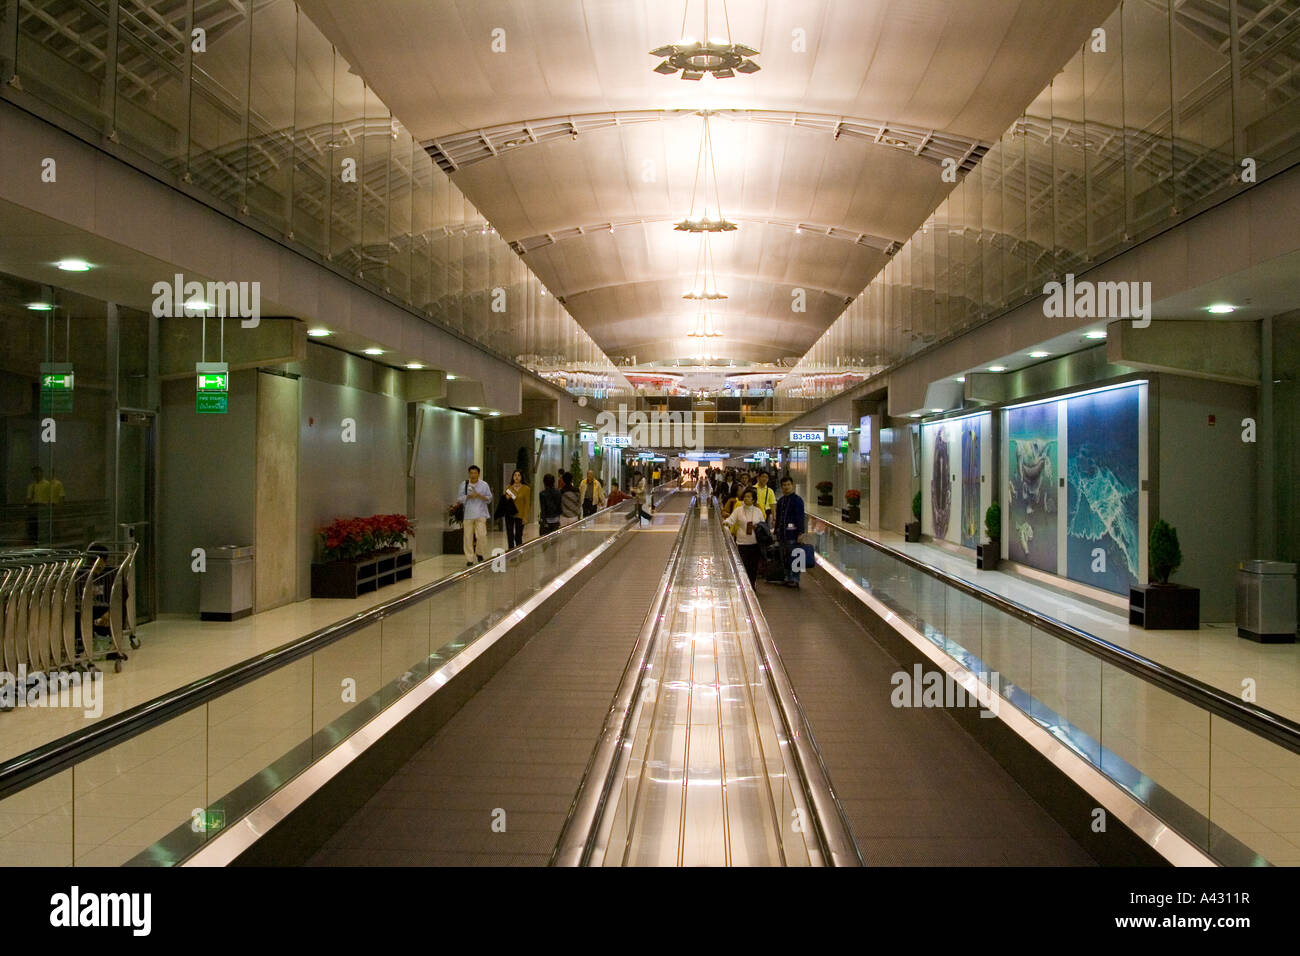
x,y
319,333
451,378
997,368
916,415
198,305
937,410
1094,335
39,306
1221,308
73,265
472,408
494,414
960,378
1039,354
373,351
414,366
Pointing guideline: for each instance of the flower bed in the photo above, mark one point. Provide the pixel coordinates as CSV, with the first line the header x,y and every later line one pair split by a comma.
x,y
348,539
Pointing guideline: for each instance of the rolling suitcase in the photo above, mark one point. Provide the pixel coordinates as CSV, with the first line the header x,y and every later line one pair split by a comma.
x,y
773,569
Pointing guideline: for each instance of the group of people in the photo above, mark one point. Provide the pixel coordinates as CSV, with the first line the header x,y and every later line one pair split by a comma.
x,y
756,515
560,503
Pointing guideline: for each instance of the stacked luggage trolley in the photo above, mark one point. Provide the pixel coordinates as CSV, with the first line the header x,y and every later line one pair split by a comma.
x,y
54,602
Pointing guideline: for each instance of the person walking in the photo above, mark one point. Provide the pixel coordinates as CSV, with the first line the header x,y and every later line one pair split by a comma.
x,y
788,526
549,506
476,498
591,494
517,496
638,498
741,523
764,497
571,503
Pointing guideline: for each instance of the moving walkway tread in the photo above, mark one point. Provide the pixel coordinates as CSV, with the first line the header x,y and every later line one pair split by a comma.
x,y
521,743
917,789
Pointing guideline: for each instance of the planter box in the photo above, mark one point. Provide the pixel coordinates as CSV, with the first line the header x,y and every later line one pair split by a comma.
x,y
350,579
1165,607
912,531
987,556
826,501
453,541
850,514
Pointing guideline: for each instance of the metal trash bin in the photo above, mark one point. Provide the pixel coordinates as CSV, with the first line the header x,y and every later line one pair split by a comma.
x,y
1266,601
226,588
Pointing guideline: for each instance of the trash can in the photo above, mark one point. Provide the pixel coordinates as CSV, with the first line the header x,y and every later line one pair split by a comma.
x,y
226,588
1266,601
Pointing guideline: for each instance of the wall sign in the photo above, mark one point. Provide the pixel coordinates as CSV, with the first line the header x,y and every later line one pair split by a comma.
x,y
615,441
837,430
57,381
807,435
589,437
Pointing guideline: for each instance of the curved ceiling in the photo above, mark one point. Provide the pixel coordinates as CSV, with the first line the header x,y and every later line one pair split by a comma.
x,y
550,119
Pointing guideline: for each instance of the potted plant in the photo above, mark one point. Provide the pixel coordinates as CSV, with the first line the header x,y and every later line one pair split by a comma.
x,y
824,496
1161,605
988,555
852,508
361,554
913,529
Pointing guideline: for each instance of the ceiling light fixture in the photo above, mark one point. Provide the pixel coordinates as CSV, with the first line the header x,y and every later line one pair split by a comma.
x,y
704,222
1221,308
319,333
40,306
450,377
373,351
706,286
1094,335
1039,354
73,265
693,58
997,368
414,366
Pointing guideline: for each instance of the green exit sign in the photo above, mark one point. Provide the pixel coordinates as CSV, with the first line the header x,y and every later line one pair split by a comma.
x,y
57,383
212,387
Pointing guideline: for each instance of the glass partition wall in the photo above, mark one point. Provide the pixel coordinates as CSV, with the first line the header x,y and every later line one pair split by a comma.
x,y
1197,759
258,115
1164,110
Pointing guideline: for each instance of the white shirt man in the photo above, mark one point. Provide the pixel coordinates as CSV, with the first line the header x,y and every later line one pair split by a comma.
x,y
476,498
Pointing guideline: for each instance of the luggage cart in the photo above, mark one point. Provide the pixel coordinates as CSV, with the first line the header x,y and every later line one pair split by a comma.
x,y
111,603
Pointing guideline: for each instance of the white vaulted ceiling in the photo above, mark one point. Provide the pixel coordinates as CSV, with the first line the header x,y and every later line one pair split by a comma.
x,y
825,157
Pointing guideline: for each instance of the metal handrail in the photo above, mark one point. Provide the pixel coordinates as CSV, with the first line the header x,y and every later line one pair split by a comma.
x,y
588,823
830,823
18,773
1273,727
